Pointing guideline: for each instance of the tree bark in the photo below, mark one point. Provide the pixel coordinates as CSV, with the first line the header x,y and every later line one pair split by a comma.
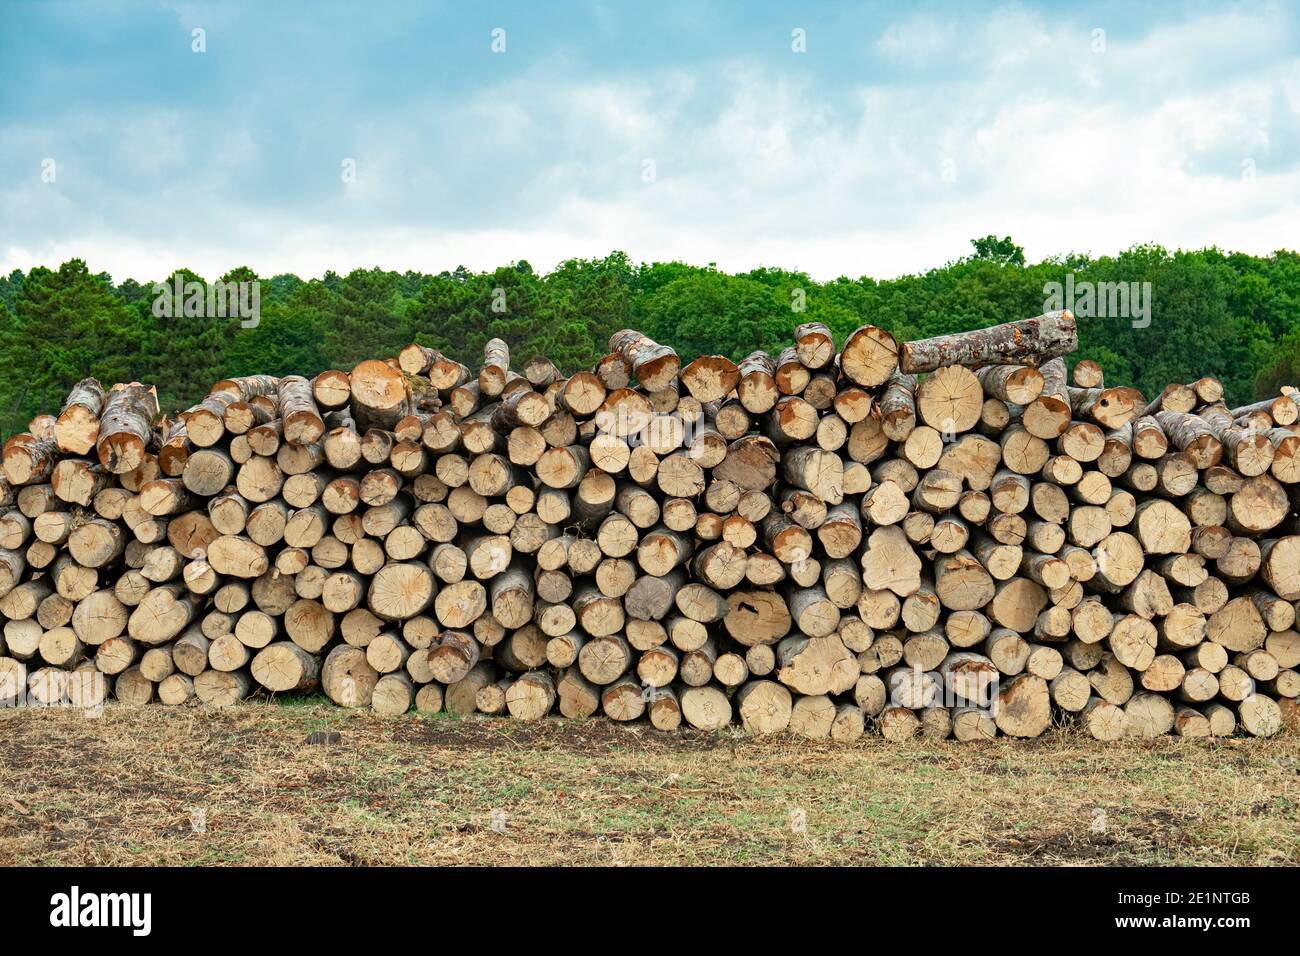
x,y
1028,342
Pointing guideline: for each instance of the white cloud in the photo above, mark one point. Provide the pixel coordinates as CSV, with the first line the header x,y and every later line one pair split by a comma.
x,y
1063,148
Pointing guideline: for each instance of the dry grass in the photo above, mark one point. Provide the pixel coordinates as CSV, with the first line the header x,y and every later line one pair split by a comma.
x,y
122,789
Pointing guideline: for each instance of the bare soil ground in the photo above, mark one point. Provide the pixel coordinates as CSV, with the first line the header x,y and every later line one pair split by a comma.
x,y
158,785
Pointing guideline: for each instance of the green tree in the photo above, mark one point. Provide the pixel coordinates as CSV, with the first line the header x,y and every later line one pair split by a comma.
x,y
65,325
187,341
1284,368
714,313
363,317
10,286
999,250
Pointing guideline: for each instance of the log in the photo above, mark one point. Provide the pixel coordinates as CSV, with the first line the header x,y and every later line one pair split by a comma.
x,y
813,717
898,724
1149,715
176,690
1104,720
1028,342
577,698
1016,384
380,396
1109,407
302,422
332,389
496,368
711,378
870,356
1023,706
972,723
898,407
816,666
950,400
756,383
28,460
814,344
76,431
347,678
531,696
285,667
654,365
126,427
705,708
452,657
401,590
1049,415
393,695
1260,715
221,689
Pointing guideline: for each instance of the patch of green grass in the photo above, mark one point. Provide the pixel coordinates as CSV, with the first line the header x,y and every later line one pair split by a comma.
x,y
296,700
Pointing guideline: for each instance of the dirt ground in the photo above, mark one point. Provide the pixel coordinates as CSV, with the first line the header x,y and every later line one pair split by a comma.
x,y
269,783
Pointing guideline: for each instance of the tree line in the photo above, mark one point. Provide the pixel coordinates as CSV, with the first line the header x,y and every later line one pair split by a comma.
x,y
1208,312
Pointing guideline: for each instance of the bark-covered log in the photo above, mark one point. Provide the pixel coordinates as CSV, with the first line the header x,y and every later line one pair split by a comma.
x,y
77,428
380,395
302,420
756,383
1028,342
654,365
126,427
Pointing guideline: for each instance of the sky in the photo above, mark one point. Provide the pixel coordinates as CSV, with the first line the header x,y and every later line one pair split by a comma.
x,y
841,139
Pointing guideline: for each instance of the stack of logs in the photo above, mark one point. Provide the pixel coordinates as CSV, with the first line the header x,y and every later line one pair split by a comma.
x,y
942,538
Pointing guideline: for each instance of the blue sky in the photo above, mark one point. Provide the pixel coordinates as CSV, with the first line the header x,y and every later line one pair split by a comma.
x,y
669,130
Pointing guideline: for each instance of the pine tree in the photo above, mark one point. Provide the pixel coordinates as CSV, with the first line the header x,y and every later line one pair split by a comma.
x,y
187,344
65,325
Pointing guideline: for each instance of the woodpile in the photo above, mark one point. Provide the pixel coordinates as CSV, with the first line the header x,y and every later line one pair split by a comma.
x,y
942,538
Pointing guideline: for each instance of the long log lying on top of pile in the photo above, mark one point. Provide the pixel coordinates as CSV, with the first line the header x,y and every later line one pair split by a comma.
x,y
943,538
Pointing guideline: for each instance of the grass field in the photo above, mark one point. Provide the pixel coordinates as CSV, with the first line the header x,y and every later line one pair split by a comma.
x,y
244,786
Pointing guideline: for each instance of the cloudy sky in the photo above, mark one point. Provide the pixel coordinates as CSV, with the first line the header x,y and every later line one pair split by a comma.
x,y
317,135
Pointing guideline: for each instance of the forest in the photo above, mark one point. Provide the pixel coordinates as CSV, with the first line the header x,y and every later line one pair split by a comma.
x,y
1211,312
